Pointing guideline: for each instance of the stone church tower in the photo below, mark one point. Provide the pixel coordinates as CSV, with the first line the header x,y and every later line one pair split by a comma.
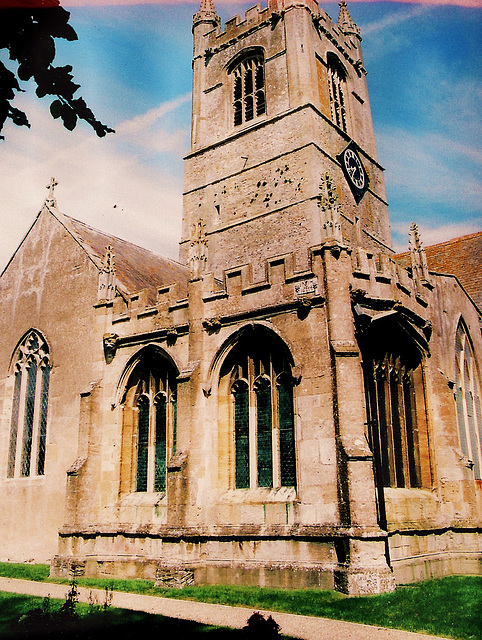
x,y
277,98
290,405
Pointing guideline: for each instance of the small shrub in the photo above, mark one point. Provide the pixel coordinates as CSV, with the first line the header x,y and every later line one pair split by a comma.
x,y
260,628
69,608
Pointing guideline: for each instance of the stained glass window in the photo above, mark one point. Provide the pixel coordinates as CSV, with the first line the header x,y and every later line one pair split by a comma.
x,y
150,424
392,421
467,400
261,390
29,408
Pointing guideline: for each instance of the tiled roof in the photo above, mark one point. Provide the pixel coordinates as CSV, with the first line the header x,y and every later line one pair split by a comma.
x,y
460,257
136,268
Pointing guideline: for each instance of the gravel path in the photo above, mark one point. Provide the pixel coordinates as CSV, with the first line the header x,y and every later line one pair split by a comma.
x,y
302,627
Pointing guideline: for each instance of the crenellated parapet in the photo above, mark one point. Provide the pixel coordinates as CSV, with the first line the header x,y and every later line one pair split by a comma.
x,y
283,289
237,29
379,283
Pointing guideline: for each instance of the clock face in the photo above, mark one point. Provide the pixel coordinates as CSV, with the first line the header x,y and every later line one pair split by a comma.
x,y
354,168
354,171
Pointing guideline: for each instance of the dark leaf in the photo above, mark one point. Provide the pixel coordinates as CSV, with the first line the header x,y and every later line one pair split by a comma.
x,y
25,72
69,117
55,108
28,34
18,117
8,83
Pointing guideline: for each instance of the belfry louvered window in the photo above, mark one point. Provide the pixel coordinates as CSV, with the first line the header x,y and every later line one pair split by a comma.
x,y
249,93
467,399
261,391
28,426
336,85
150,425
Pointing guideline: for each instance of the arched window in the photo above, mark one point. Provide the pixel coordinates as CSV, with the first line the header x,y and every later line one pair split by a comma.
x,y
392,420
150,416
337,84
28,427
257,378
249,93
467,398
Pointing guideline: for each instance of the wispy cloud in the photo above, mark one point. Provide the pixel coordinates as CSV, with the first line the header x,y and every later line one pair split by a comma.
x,y
431,166
433,234
394,19
106,183
145,120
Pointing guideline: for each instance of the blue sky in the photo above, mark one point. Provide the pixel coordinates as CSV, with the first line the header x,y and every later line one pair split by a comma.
x,y
133,63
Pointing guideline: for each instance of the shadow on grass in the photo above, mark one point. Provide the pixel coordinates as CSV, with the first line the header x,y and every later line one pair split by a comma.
x,y
113,624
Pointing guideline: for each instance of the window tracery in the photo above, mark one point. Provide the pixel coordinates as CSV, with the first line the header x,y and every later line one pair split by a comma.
x,y
260,387
467,399
249,93
337,84
28,426
393,426
150,424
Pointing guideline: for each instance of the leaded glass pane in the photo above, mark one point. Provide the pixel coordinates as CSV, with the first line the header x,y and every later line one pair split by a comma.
x,y
142,444
14,426
286,436
160,447
397,432
411,425
241,435
386,447
473,437
264,429
478,414
44,400
29,417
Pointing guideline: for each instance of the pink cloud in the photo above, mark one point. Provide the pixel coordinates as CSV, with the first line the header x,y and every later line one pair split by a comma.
x,y
77,3
195,3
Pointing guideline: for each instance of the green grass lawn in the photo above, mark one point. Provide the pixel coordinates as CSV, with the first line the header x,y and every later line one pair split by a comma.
x,y
448,607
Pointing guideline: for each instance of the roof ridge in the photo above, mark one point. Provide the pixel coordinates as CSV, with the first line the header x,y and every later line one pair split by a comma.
x,y
127,242
444,242
456,239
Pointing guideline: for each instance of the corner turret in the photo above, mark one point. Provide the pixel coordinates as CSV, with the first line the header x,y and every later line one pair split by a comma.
x,y
345,21
205,20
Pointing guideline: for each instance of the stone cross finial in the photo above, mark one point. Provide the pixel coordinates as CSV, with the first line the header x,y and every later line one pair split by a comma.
x,y
50,199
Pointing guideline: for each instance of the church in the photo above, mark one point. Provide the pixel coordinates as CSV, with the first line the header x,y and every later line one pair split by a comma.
x,y
292,404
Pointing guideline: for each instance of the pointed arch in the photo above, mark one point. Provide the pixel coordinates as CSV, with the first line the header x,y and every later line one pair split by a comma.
x,y
148,395
248,84
31,366
467,398
337,76
256,410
